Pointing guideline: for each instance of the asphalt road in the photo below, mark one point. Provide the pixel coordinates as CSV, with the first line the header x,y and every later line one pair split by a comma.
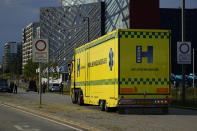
x,y
12,119
61,106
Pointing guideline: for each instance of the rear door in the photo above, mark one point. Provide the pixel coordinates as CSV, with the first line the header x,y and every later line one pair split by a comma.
x,y
144,63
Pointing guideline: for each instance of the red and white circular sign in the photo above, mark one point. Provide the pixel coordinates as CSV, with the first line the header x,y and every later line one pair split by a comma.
x,y
184,48
40,45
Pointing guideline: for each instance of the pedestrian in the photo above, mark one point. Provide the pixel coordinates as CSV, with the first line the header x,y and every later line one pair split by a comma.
x,y
11,86
15,88
61,88
44,87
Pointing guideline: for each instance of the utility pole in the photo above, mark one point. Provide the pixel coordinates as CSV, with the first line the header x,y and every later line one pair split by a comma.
x,y
88,27
40,85
48,76
183,39
194,74
183,20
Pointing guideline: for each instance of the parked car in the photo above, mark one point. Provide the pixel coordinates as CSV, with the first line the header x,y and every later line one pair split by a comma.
x,y
32,86
54,87
4,87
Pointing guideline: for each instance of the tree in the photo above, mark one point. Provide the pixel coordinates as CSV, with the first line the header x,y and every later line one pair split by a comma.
x,y
30,69
50,65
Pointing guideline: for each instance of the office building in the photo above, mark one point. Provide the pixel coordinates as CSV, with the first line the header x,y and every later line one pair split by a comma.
x,y
124,14
129,14
68,27
116,12
29,33
12,58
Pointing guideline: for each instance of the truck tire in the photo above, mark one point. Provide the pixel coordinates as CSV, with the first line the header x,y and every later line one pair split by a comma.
x,y
80,98
102,105
107,109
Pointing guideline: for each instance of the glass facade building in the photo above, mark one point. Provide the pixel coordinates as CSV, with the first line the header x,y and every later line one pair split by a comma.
x,y
68,27
116,12
123,13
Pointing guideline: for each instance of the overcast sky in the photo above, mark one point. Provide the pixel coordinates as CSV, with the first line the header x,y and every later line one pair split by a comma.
x,y
16,14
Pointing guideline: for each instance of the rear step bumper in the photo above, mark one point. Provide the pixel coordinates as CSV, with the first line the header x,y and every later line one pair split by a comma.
x,y
143,106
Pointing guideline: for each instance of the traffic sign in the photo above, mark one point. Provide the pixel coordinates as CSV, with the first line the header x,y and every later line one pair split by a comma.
x,y
40,50
184,52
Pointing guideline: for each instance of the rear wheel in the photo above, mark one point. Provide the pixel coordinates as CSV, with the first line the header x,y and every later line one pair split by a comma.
x,y
102,105
107,109
80,98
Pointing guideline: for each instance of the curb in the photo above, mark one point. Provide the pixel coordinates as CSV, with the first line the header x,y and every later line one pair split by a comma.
x,y
49,116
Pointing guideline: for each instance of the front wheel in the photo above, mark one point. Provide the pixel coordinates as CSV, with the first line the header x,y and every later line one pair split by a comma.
x,y
102,105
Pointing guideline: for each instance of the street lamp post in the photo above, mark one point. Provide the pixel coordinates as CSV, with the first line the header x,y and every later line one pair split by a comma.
x,y
183,39
193,68
88,24
193,84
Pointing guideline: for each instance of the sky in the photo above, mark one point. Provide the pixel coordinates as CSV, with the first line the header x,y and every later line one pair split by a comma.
x,y
17,14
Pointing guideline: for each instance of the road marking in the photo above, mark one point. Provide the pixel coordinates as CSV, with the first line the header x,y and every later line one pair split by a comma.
x,y
18,127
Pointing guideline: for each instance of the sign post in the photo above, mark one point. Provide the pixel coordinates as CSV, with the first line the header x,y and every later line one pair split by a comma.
x,y
40,53
183,57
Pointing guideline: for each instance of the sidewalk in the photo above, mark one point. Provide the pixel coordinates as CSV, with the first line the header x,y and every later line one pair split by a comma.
x,y
59,107
54,106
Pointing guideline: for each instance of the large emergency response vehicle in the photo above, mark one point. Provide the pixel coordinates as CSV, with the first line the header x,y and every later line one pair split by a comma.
x,y
125,68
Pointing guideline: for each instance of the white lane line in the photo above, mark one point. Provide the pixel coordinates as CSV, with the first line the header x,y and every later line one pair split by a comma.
x,y
44,118
18,128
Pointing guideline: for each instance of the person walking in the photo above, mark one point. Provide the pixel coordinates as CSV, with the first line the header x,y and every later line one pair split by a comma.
x,y
15,88
11,86
44,87
61,88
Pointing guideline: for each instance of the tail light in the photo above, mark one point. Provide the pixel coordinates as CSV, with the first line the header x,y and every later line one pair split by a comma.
x,y
160,102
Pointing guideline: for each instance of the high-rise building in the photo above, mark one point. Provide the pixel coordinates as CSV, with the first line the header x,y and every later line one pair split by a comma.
x,y
28,34
12,59
116,12
143,14
68,27
124,14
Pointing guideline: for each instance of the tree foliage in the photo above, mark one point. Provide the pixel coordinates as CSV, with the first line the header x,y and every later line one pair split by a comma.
x,y
30,69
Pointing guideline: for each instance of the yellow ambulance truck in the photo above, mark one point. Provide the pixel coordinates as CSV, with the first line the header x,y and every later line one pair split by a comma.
x,y
124,69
